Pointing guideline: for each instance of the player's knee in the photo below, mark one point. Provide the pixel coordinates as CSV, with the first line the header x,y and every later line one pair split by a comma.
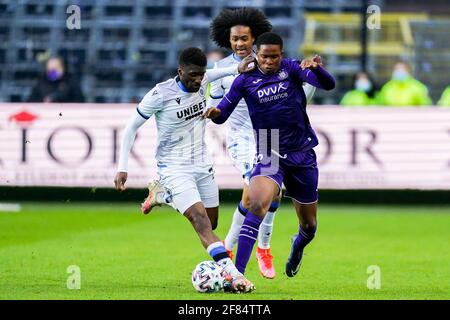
x,y
310,226
256,207
199,220
246,203
277,198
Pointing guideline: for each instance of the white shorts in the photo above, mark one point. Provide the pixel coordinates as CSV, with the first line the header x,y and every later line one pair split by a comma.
x,y
242,150
187,186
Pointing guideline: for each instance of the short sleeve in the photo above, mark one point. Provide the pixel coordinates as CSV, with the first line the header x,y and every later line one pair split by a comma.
x,y
150,104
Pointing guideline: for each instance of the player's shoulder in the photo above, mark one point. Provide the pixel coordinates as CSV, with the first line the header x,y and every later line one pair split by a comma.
x,y
166,89
290,62
249,75
160,92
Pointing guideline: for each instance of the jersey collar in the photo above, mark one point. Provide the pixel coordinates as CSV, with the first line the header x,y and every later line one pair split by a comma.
x,y
181,85
237,58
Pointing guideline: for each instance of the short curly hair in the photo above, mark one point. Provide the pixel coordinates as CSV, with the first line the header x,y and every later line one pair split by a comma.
x,y
220,27
192,56
269,38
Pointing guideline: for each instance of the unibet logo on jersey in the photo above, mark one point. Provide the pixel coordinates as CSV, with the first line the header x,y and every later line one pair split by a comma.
x,y
192,111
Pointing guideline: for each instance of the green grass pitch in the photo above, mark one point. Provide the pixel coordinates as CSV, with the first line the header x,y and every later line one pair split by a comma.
x,y
123,254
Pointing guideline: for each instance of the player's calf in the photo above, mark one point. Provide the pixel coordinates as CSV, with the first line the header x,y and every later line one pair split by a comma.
x,y
299,242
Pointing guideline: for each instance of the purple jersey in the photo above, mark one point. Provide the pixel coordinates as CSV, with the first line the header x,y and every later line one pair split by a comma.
x,y
277,101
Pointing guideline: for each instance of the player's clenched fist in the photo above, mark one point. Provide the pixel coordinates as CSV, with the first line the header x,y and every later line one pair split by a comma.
x,y
247,64
211,113
119,180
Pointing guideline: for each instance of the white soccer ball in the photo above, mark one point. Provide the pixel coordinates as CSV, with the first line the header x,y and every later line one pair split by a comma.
x,y
208,277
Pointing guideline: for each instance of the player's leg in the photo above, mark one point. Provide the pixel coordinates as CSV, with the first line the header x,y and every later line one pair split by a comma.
x,y
197,216
241,149
307,215
262,190
213,215
263,253
192,202
301,185
209,193
232,236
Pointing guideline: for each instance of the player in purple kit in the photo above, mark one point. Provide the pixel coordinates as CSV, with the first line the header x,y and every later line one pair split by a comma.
x,y
285,140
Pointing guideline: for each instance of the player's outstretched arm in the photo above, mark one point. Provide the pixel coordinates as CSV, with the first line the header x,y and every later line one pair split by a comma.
x,y
135,122
309,89
246,65
227,105
312,72
211,113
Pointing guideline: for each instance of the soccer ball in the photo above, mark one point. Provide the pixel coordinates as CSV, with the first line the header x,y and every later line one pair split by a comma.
x,y
208,277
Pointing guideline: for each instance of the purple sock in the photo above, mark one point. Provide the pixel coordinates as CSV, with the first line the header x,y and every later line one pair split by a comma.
x,y
246,241
304,237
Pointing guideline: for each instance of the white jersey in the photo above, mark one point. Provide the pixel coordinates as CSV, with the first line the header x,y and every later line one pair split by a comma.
x,y
178,115
239,120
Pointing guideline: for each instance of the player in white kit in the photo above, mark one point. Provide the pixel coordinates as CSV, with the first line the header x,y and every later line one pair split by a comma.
x,y
237,29
185,170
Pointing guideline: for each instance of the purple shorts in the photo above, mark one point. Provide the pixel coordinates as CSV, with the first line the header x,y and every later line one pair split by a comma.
x,y
297,170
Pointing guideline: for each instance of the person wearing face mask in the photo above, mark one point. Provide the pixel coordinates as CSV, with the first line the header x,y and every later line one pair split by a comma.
x,y
55,85
403,89
364,92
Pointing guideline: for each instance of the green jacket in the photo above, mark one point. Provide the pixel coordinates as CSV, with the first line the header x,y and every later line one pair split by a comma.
x,y
356,98
409,92
444,101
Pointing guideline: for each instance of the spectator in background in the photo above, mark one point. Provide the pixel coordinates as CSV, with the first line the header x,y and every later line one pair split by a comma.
x,y
365,91
403,89
56,85
444,101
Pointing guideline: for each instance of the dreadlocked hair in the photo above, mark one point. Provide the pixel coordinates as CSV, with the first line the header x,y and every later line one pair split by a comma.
x,y
253,18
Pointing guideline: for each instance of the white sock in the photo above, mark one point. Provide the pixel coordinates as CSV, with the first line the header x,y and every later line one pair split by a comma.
x,y
215,250
233,234
229,267
265,230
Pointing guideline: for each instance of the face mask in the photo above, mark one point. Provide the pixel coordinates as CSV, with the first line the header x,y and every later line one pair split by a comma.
x,y
400,74
363,85
54,75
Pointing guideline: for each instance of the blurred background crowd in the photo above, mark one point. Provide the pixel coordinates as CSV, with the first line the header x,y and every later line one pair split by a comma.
x,y
123,48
